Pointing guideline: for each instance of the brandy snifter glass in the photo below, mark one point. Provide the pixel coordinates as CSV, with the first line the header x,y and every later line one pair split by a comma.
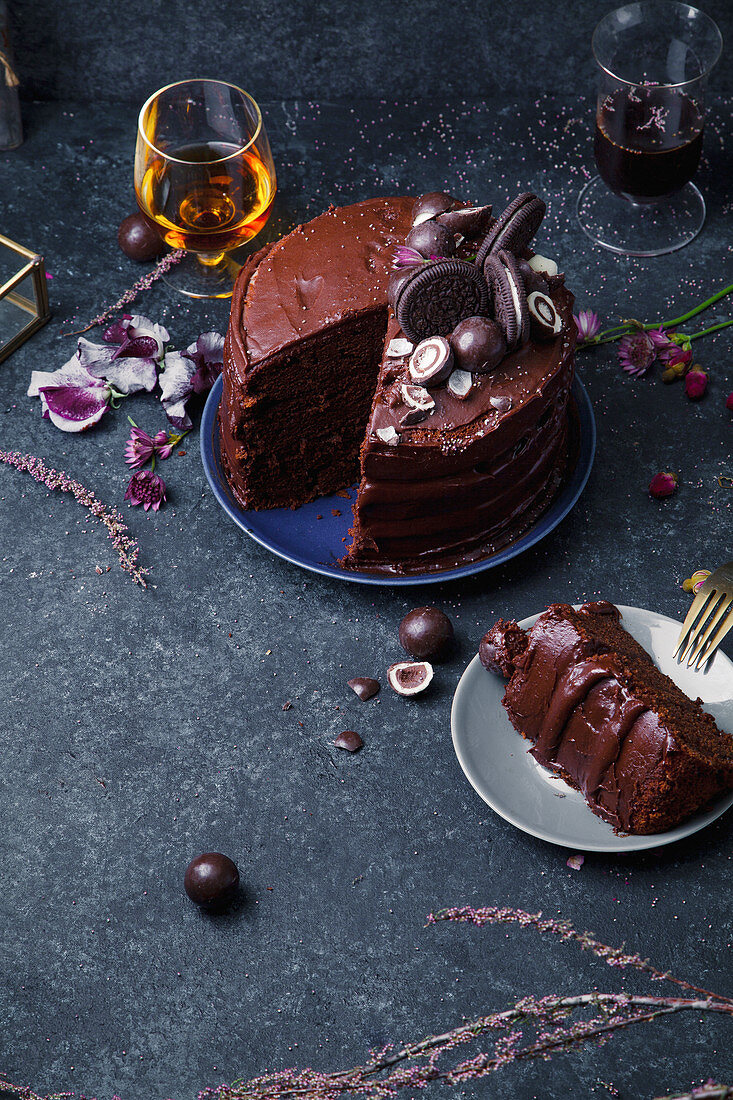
x,y
204,174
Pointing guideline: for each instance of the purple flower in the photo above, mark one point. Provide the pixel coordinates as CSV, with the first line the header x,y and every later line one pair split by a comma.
x,y
588,324
407,257
140,448
136,333
675,356
192,371
659,339
636,352
164,445
146,488
72,398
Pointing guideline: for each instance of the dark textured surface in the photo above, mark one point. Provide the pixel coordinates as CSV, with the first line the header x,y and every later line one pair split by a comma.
x,y
314,49
139,728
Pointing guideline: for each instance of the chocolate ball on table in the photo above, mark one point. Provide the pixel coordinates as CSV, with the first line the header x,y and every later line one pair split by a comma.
x,y
478,345
426,633
139,238
211,880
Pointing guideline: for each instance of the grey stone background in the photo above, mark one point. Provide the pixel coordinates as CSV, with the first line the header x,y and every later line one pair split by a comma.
x,y
313,49
141,727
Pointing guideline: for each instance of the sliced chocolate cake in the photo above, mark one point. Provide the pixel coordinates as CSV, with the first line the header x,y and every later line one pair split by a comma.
x,y
372,341
601,714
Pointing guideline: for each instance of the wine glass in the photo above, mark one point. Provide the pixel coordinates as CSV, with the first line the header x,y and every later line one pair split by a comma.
x,y
653,59
204,174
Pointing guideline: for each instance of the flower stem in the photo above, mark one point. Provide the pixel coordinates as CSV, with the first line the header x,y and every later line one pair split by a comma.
x,y
610,335
707,331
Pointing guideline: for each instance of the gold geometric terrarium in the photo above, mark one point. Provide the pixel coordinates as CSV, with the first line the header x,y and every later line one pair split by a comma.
x,y
23,295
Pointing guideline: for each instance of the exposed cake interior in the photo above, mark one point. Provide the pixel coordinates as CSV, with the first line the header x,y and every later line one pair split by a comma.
x,y
314,399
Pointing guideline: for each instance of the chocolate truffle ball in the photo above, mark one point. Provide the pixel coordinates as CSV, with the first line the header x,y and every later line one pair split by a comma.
x,y
396,282
478,345
426,633
139,239
211,880
431,239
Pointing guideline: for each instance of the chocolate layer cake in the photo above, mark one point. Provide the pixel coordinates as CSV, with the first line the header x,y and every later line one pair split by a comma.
x,y
313,385
603,716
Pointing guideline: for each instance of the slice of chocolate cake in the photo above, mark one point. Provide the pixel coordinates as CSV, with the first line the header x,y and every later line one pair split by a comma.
x,y
603,716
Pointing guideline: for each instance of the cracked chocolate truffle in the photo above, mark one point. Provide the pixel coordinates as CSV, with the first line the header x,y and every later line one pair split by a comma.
x,y
430,205
364,686
410,677
431,362
545,321
470,221
426,632
349,740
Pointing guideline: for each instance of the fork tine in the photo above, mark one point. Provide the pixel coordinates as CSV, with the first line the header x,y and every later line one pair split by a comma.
x,y
706,626
717,638
696,607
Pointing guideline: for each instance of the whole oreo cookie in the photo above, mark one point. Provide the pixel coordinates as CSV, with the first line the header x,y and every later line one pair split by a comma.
x,y
515,228
510,299
438,296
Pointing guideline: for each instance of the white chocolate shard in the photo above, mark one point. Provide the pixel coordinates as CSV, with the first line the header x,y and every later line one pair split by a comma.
x,y
543,265
398,348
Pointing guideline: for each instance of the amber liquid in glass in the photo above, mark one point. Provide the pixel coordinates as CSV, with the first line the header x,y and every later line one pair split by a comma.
x,y
648,141
205,199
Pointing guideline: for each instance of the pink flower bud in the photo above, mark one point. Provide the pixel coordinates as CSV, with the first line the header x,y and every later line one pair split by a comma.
x,y
729,402
662,485
696,382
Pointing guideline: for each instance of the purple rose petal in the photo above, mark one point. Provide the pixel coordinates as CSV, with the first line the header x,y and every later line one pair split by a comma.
x,y
71,398
142,347
207,353
74,410
176,388
128,374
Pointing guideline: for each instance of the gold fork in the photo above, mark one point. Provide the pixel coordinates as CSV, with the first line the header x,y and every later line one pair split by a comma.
x,y
709,619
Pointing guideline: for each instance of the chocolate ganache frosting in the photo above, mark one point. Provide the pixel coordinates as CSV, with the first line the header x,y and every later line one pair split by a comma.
x,y
601,714
460,447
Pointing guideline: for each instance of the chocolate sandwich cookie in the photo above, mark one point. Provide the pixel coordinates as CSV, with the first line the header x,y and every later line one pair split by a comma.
x,y
515,228
510,300
438,296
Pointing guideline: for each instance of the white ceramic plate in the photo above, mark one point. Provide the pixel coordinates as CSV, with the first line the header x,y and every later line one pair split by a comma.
x,y
496,761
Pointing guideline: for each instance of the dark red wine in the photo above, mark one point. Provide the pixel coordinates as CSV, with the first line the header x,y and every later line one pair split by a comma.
x,y
648,141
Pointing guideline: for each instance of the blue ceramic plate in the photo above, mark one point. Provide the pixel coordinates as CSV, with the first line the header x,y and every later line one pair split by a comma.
x,y
313,535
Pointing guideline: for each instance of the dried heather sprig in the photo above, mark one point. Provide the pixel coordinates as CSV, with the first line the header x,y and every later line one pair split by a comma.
x,y
58,481
130,295
614,956
709,1091
548,1019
